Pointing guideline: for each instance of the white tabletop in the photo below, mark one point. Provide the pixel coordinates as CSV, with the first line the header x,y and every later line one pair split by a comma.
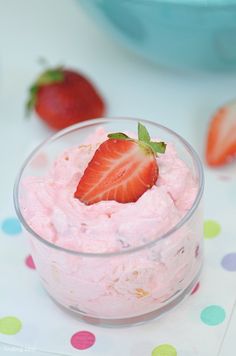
x,y
61,32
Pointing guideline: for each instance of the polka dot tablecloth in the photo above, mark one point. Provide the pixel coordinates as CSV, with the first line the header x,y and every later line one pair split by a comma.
x,y
30,320
31,323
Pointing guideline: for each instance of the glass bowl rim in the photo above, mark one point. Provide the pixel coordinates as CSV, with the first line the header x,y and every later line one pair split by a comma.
x,y
192,4
94,122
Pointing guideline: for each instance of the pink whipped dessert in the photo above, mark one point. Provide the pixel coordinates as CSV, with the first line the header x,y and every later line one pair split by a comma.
x,y
121,266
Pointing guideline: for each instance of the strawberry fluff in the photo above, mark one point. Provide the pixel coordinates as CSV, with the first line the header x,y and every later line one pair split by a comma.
x,y
51,210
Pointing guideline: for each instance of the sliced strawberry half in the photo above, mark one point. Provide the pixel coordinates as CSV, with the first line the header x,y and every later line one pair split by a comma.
x,y
122,169
221,138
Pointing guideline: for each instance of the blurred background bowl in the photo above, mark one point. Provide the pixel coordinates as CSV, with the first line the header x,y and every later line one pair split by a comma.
x,y
176,33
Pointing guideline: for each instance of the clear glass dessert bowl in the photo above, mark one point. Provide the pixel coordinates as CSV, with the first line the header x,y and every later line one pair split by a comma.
x,y
113,263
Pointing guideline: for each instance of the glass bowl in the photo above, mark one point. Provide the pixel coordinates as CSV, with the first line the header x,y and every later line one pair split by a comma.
x,y
177,33
135,283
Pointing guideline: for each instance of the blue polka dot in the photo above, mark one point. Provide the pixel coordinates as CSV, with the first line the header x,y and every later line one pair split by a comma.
x,y
11,226
213,315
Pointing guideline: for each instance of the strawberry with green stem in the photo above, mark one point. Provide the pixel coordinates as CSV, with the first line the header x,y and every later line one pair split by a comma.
x,y
62,97
122,169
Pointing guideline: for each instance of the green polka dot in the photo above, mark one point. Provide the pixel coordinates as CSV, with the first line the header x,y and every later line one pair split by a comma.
x,y
10,325
164,350
211,229
213,315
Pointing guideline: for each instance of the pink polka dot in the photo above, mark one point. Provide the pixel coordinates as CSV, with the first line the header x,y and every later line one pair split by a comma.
x,y
195,289
82,340
30,262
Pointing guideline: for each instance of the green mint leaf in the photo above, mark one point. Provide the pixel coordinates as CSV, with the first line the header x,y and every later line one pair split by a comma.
x,y
118,136
158,147
143,134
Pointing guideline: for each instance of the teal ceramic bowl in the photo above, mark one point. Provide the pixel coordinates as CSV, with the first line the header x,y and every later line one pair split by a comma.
x,y
176,33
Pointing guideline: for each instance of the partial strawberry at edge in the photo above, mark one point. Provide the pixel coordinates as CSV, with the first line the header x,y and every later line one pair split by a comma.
x,y
221,138
63,97
122,169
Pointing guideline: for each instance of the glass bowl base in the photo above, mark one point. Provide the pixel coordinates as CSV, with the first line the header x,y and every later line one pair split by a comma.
x,y
131,321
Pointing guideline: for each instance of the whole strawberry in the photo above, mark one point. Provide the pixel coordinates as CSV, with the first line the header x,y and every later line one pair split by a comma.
x,y
62,97
122,169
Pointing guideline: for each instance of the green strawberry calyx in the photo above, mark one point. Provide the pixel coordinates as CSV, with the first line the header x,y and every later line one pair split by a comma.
x,y
49,76
144,139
